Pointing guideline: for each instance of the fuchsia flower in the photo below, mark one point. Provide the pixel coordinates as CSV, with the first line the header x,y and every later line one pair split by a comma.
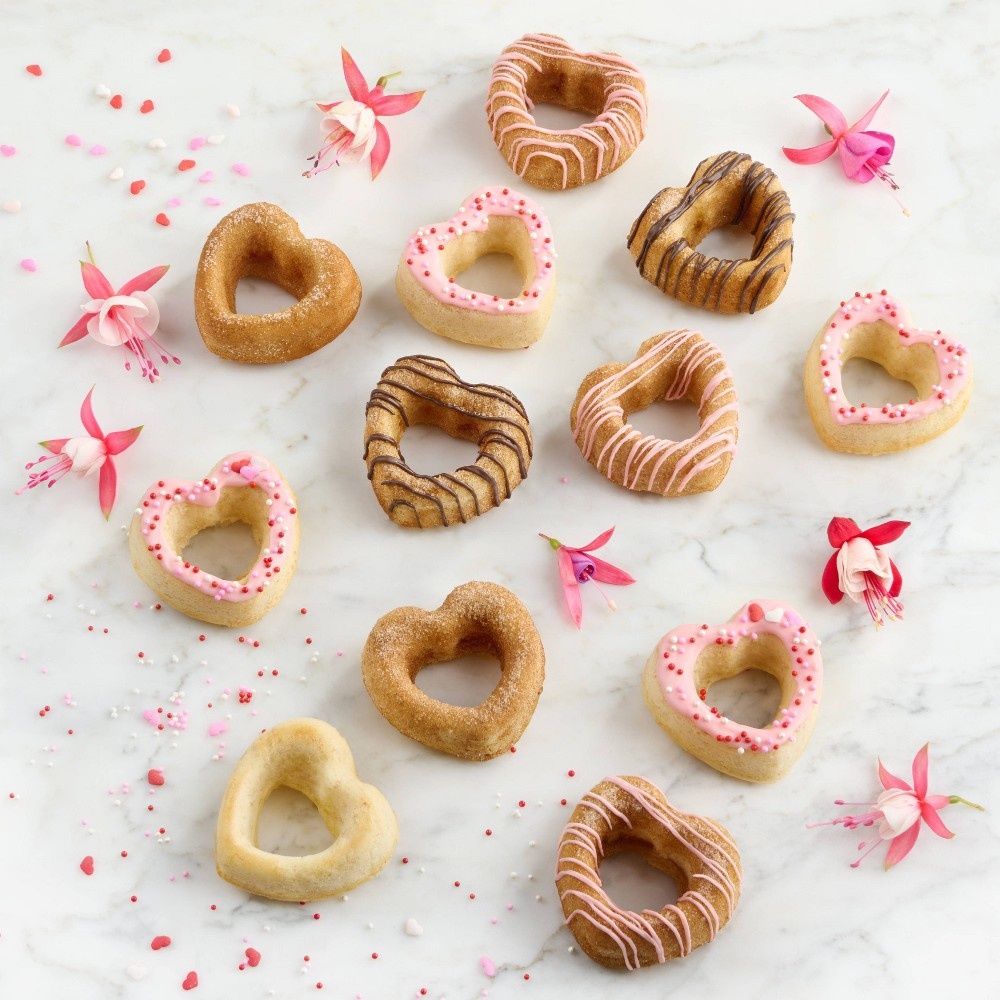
x,y
352,128
898,812
578,566
127,318
860,570
863,155
84,456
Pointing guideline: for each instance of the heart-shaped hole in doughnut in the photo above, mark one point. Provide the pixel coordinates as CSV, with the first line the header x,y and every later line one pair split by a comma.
x,y
226,550
727,243
633,879
752,697
289,824
256,297
427,447
495,274
913,367
676,420
559,119
466,681
869,382
505,236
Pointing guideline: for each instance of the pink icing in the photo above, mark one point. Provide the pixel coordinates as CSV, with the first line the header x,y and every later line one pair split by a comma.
x,y
425,246
953,369
675,672
613,125
242,470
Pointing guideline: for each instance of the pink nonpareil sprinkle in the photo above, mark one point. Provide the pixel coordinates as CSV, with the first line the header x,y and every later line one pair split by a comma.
x,y
6,150
242,169
73,140
29,264
197,142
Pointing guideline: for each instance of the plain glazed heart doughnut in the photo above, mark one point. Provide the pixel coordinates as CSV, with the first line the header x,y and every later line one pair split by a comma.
x,y
310,757
423,390
632,814
877,327
476,619
545,69
493,219
262,241
729,189
687,661
242,487
679,364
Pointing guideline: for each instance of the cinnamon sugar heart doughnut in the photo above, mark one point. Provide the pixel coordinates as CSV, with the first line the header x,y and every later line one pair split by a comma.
x,y
242,487
632,814
545,69
477,619
877,327
494,219
762,635
310,757
678,364
262,241
727,189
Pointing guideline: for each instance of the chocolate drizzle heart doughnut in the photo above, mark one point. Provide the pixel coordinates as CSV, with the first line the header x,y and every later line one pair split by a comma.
x,y
679,364
493,219
424,390
727,189
877,327
632,814
310,757
242,487
545,69
688,660
262,241
477,619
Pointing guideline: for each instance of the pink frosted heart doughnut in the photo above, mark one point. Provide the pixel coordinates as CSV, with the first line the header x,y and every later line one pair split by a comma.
x,y
877,327
762,635
494,219
241,487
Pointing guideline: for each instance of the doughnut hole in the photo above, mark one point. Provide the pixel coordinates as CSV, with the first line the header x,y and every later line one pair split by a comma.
x,y
495,274
559,119
727,243
505,237
257,297
289,824
753,677
224,550
676,420
426,448
466,681
878,366
635,880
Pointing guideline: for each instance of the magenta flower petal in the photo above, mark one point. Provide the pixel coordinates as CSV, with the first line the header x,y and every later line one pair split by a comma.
x,y
920,765
118,441
861,154
889,780
814,154
107,487
599,542
354,77
145,281
571,589
930,816
900,846
840,530
829,114
395,104
78,331
604,572
98,287
831,581
90,423
865,120
380,151
884,533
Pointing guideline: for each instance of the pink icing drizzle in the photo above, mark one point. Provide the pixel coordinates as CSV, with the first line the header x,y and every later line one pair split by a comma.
x,y
254,473
425,246
953,370
675,672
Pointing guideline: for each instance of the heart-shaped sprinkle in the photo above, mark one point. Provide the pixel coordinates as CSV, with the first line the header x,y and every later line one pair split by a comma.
x,y
232,110
207,176
6,150
190,980
155,776
157,144
146,106
102,90
73,140
253,957
197,142
250,472
117,174
116,102
34,69
488,966
162,219
29,264
160,941
775,615
136,186
12,206
217,728
239,464
87,865
98,150
186,164
164,56
755,612
413,928
242,169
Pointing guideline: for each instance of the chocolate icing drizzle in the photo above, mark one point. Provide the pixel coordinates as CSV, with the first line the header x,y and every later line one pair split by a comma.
x,y
495,414
762,209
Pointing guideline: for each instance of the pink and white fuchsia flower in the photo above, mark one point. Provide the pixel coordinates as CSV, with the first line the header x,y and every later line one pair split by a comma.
x,y
860,570
84,456
352,129
898,812
127,318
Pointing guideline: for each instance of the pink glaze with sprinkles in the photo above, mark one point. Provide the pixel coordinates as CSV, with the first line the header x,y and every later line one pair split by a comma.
x,y
676,675
424,249
242,470
952,360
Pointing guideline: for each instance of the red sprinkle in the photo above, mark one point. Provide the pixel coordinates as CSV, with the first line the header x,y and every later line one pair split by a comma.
x,y
116,102
87,865
155,776
186,164
164,56
253,957
162,219
34,69
146,106
160,941
136,186
190,980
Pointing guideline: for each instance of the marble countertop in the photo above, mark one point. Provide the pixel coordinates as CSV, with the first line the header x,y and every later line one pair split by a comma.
x,y
102,686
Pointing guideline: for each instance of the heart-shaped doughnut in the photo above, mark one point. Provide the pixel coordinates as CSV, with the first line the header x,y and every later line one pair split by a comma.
x,y
762,635
476,619
876,326
262,241
729,189
310,757
494,219
241,487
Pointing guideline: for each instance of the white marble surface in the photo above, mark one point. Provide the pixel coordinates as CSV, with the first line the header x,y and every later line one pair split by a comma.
x,y
719,78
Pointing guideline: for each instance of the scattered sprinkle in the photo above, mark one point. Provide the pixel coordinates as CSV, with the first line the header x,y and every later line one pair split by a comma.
x,y
116,102
157,144
213,201
164,56
34,69
87,865
29,264
155,776
231,109
197,142
162,219
6,150
207,176
12,206
117,174
73,140
253,957
186,164
136,186
190,980
160,941
98,150
488,967
146,106
242,169
102,90
413,928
